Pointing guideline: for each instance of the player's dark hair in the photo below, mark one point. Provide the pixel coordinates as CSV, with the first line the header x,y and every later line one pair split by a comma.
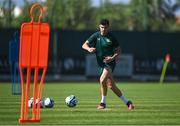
x,y
104,22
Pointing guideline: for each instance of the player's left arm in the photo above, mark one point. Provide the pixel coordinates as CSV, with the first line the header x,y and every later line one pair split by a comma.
x,y
115,56
117,49
117,52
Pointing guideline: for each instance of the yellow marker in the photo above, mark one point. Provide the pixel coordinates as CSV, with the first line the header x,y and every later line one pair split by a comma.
x,y
167,60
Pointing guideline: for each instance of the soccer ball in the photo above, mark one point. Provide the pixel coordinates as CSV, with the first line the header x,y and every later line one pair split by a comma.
x,y
71,101
48,102
30,103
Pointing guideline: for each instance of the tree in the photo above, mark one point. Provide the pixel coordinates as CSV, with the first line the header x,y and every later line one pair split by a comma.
x,y
69,14
7,7
147,12
138,15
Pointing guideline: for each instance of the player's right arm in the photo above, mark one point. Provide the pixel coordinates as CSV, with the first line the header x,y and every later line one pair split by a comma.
x,y
86,46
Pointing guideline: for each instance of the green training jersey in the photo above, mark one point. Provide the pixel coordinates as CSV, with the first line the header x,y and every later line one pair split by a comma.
x,y
105,46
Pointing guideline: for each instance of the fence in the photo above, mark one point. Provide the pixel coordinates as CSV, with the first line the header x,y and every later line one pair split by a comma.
x,y
67,60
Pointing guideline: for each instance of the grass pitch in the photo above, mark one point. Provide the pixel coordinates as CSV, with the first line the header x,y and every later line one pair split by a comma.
x,y
155,104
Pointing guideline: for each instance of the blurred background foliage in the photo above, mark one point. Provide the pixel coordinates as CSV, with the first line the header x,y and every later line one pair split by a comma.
x,y
138,15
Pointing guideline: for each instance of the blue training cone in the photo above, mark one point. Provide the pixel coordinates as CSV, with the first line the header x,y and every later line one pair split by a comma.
x,y
14,61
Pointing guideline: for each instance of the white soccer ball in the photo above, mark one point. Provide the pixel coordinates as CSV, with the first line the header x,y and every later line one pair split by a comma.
x,y
71,101
30,103
48,102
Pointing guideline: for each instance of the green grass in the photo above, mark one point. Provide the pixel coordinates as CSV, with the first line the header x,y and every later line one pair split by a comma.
x,y
155,105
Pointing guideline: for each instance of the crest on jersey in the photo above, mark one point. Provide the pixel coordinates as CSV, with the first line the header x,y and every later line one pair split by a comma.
x,y
107,40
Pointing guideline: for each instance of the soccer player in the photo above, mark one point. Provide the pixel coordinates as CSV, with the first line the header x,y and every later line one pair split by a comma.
x,y
107,51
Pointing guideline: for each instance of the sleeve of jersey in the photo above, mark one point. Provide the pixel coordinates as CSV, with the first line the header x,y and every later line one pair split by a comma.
x,y
91,40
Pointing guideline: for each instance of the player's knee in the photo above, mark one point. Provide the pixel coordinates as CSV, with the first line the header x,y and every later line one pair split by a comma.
x,y
102,81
